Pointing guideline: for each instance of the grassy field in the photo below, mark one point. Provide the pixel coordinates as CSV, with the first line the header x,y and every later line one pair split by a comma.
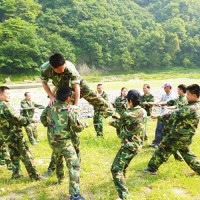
x,y
139,74
174,181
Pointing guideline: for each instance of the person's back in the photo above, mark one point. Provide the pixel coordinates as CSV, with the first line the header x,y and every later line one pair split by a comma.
x,y
133,128
60,121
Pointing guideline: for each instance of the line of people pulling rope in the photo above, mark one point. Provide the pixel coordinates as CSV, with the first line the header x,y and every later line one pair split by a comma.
x,y
63,126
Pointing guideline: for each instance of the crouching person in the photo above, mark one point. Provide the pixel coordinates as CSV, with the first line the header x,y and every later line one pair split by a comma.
x,y
132,130
59,122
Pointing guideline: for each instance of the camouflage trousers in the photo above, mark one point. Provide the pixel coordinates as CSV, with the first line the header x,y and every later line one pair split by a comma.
x,y
118,169
75,138
20,151
98,123
5,155
65,149
32,132
169,146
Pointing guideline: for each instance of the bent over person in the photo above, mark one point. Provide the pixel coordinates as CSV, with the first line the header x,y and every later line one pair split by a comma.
x,y
64,73
59,122
11,133
132,127
184,123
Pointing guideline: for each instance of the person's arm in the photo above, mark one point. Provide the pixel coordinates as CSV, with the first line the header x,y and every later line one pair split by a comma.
x,y
49,92
75,123
13,116
76,94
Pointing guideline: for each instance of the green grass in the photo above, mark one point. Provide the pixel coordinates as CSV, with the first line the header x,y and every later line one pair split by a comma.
x,y
175,180
141,74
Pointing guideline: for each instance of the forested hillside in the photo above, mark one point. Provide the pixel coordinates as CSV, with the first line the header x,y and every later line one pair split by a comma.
x,y
114,35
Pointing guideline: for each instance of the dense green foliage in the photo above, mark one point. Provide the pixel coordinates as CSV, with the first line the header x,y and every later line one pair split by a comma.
x,y
113,35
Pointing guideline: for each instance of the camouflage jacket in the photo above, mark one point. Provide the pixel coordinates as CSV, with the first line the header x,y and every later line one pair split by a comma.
x,y
60,122
147,98
179,102
69,77
132,127
121,105
104,96
183,122
11,122
28,108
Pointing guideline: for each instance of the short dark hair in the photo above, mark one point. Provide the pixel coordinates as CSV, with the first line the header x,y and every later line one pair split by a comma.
x,y
182,87
3,88
63,92
147,85
134,96
194,89
25,94
100,84
56,60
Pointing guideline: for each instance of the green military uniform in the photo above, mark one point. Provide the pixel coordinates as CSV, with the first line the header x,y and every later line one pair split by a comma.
x,y
184,123
5,155
69,77
98,117
59,122
148,97
75,138
11,134
132,126
121,105
179,102
28,111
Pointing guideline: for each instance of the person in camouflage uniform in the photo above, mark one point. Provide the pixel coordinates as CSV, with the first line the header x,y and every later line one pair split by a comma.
x,y
121,104
59,122
184,123
5,155
145,102
132,127
181,100
176,103
28,108
146,98
11,133
98,118
63,72
75,138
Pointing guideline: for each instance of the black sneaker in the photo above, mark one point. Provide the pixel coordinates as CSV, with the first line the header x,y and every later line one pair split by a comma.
x,y
152,172
76,197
